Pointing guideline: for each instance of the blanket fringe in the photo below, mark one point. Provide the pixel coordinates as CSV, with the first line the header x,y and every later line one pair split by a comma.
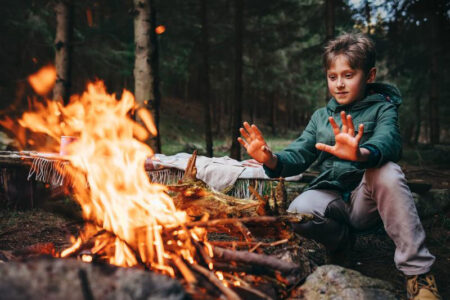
x,y
54,172
48,171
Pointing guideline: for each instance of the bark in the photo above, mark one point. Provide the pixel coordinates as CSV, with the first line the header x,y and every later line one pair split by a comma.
x,y
329,19
329,30
204,83
434,77
64,16
155,67
237,111
143,72
418,119
273,108
368,16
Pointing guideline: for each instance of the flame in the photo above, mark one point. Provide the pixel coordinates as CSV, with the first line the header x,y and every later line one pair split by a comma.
x,y
125,212
43,80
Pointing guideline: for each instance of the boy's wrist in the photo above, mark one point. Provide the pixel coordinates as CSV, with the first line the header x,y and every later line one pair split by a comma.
x,y
272,162
363,155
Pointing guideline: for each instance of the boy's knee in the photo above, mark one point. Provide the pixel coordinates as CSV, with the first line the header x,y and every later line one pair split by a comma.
x,y
313,202
388,175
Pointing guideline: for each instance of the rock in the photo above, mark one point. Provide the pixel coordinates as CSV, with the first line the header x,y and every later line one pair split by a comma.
x,y
51,278
334,282
433,202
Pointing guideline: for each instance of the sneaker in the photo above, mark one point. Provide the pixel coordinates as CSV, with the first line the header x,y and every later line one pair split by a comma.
x,y
422,287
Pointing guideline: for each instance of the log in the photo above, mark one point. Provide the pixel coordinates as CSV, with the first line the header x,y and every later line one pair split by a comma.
x,y
261,260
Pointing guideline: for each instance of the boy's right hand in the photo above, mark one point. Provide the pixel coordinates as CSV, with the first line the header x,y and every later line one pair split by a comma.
x,y
253,141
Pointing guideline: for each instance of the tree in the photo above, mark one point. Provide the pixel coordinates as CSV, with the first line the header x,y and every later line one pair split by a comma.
x,y
143,73
204,82
64,28
235,151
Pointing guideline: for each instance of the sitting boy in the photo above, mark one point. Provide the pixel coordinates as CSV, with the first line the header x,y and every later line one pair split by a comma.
x,y
360,183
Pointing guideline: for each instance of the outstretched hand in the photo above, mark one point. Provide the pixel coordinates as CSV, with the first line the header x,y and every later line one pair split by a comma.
x,y
347,144
253,141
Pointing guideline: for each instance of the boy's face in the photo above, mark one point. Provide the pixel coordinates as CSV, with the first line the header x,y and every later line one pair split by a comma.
x,y
346,84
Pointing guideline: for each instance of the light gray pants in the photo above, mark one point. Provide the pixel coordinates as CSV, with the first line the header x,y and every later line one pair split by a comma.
x,y
382,196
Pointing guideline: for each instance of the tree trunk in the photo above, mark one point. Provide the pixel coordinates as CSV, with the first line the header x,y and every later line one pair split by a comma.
x,y
418,119
329,31
329,19
64,17
204,82
155,67
237,111
434,77
273,109
143,73
367,10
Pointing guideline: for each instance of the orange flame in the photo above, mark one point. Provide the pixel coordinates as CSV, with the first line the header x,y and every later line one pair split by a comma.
x,y
110,182
43,80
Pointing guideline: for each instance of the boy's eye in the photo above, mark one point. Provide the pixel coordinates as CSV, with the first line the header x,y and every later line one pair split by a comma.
x,y
348,75
332,77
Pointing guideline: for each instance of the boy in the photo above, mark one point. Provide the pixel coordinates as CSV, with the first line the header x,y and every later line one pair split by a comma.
x,y
359,184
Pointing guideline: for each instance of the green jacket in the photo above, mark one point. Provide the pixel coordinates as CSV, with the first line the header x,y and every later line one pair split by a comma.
x,y
377,111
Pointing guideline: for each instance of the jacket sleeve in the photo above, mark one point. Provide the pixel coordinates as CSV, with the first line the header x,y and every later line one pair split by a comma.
x,y
299,155
386,136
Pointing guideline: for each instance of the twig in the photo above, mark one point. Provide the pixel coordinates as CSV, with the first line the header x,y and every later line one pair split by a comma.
x,y
245,286
245,232
255,247
184,270
229,293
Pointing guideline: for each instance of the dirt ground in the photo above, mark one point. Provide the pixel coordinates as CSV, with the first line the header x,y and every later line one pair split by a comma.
x,y
372,255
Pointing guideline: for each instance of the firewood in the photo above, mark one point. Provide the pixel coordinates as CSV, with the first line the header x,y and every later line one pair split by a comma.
x,y
229,293
184,270
255,259
281,197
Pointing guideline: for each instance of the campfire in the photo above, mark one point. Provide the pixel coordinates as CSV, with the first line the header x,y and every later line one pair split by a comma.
x,y
132,222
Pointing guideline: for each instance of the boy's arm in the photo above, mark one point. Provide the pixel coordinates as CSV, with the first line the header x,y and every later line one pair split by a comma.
x,y
386,137
384,145
299,155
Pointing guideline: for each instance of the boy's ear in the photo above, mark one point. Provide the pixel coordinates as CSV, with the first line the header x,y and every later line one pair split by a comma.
x,y
371,75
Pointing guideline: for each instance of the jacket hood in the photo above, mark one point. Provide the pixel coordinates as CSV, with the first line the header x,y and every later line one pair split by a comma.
x,y
375,92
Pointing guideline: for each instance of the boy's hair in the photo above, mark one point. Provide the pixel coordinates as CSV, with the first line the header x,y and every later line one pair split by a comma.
x,y
358,48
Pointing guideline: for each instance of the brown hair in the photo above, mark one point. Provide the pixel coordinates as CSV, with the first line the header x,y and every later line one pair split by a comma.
x,y
358,48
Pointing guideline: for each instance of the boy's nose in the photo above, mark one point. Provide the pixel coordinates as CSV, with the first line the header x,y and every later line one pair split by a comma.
x,y
340,83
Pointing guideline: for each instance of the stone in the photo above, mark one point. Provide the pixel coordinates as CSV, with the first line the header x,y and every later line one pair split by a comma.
x,y
338,283
52,278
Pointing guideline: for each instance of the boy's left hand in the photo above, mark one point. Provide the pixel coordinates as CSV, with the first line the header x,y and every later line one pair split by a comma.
x,y
347,144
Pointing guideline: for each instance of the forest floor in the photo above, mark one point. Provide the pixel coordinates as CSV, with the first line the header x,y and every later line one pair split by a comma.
x,y
372,255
